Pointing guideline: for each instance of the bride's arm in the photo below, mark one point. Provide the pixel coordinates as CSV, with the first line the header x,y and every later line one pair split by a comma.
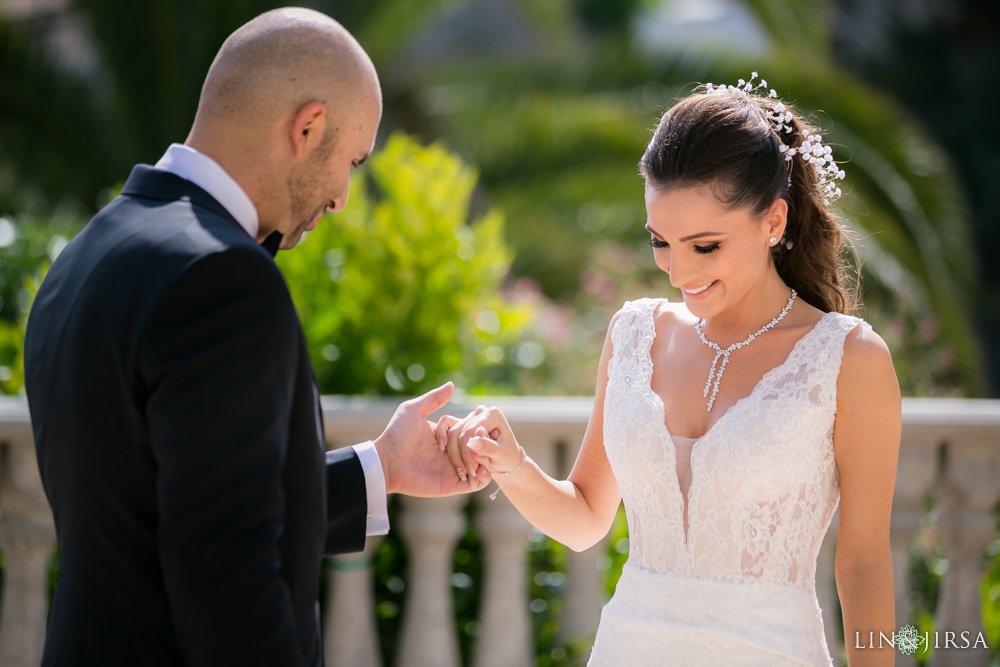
x,y
866,444
577,511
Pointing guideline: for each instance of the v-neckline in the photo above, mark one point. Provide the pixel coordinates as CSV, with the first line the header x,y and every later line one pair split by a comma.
x,y
731,408
686,498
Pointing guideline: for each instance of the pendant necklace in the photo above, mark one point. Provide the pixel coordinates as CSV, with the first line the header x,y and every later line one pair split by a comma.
x,y
724,354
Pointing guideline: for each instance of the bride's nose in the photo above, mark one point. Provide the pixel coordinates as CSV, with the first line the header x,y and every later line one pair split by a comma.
x,y
679,271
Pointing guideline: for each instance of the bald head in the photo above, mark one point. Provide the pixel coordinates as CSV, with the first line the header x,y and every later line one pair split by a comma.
x,y
282,60
290,106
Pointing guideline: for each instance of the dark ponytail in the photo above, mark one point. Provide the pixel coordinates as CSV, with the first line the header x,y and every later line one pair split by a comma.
x,y
726,141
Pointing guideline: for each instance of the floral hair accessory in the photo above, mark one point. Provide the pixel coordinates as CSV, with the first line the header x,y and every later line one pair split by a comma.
x,y
811,149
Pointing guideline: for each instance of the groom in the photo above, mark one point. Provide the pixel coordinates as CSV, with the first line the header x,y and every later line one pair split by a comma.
x,y
176,419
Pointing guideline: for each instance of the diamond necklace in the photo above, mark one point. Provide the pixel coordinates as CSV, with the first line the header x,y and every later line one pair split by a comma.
x,y
719,352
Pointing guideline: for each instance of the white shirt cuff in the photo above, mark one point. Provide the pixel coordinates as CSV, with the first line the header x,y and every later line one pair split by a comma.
x,y
378,503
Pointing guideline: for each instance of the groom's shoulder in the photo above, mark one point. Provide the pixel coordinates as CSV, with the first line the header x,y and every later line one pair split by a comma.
x,y
162,223
138,250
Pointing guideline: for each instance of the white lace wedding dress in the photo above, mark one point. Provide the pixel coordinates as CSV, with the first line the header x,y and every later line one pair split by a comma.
x,y
736,586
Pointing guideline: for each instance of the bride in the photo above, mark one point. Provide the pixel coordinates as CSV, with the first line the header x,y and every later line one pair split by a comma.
x,y
731,424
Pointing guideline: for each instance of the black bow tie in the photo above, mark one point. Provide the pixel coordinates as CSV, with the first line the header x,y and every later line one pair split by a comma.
x,y
272,243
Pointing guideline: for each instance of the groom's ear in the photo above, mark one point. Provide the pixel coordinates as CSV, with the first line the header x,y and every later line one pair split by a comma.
x,y
308,126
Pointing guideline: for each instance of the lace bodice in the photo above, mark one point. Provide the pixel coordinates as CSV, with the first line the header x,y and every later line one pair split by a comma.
x,y
763,480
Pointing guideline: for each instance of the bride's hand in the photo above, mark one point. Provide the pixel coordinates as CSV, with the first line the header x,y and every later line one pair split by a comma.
x,y
488,436
464,460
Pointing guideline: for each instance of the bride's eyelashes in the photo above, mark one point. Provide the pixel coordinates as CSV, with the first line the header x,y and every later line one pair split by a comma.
x,y
701,250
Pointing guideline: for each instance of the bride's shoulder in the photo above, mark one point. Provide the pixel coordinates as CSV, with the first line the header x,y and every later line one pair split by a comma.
x,y
669,312
658,311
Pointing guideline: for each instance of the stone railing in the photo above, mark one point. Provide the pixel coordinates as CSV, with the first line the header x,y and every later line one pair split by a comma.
x,y
949,447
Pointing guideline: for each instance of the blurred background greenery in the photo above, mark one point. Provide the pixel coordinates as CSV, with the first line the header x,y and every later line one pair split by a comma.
x,y
500,226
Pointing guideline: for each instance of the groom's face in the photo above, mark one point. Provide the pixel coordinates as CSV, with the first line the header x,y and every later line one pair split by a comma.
x,y
320,183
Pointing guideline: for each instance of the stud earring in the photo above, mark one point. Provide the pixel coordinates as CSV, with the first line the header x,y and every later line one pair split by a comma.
x,y
772,240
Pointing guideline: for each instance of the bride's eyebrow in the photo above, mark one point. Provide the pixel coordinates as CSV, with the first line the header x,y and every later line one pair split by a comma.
x,y
686,238
699,235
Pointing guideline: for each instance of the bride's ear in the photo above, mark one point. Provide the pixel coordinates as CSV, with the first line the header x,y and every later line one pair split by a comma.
x,y
775,219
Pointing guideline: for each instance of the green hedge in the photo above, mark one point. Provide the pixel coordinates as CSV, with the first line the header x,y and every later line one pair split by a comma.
x,y
399,292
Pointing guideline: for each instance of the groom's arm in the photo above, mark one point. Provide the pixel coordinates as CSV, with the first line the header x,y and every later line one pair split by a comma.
x,y
357,505
218,358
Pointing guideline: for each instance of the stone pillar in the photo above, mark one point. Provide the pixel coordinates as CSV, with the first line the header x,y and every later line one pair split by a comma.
x,y
507,638
432,528
582,600
905,522
27,540
826,589
915,474
350,635
968,491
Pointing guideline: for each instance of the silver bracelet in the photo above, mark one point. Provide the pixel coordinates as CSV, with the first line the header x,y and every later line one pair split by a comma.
x,y
524,457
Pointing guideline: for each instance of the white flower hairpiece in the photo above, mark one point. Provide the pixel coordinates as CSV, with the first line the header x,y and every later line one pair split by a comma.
x,y
811,149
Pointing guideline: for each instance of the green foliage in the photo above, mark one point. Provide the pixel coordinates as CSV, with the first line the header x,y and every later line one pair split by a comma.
x,y
547,564
797,27
12,356
990,595
399,291
27,246
52,148
157,53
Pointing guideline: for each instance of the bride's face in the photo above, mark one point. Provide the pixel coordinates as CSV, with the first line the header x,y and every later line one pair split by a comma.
x,y
714,256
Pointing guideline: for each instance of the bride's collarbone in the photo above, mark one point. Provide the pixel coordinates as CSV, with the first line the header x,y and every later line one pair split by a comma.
x,y
681,364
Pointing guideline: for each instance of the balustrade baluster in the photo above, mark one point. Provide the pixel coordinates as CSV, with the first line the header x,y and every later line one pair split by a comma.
x,y
432,528
350,635
27,540
915,473
506,640
967,494
582,601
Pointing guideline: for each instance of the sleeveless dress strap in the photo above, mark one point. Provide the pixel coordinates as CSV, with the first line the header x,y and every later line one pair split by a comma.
x,y
827,352
632,339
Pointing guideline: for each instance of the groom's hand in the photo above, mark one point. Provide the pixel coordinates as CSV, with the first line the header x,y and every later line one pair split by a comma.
x,y
411,456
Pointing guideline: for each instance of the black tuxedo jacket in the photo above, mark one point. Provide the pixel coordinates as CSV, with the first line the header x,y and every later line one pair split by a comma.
x,y
180,442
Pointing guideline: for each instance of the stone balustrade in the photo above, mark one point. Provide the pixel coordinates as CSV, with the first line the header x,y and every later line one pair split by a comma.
x,y
950,448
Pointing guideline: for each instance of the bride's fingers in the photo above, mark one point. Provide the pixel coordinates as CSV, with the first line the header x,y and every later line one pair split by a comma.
x,y
441,430
483,461
466,467
451,447
483,473
488,446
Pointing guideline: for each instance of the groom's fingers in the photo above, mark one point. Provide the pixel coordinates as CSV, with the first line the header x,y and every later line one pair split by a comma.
x,y
433,400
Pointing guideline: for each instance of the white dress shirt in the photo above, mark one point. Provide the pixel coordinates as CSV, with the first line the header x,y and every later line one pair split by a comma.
x,y
206,173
